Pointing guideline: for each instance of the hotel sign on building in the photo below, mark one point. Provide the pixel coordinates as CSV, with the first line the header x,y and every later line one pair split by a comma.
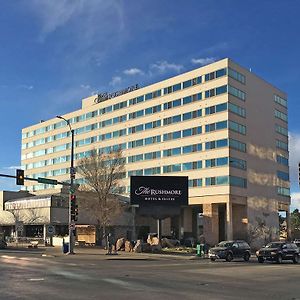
x,y
159,191
105,96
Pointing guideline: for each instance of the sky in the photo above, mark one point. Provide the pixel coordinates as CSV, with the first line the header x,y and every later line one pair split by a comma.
x,y
53,53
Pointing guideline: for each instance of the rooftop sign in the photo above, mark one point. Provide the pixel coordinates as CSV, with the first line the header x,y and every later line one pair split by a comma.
x,y
105,96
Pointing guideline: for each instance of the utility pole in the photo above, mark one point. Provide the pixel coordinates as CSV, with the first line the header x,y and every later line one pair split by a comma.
x,y
72,196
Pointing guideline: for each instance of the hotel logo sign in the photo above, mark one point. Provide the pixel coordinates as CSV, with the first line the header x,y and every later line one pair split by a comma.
x,y
105,96
159,190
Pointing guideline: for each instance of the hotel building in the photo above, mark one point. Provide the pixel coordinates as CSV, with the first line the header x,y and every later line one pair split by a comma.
x,y
220,125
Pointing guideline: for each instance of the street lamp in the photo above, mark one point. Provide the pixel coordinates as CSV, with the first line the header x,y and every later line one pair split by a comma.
x,y
72,189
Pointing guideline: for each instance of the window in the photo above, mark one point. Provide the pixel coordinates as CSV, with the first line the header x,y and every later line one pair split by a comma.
x,y
282,160
282,145
236,75
281,130
238,181
283,175
280,115
152,171
237,127
187,166
283,191
237,109
237,145
236,92
215,74
280,100
237,163
195,182
219,180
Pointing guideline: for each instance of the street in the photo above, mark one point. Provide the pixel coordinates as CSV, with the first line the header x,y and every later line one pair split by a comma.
x,y
29,275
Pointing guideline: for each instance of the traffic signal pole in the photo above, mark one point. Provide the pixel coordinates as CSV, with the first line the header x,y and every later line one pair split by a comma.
x,y
72,192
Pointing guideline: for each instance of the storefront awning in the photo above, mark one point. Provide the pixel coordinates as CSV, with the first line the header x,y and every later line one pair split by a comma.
x,y
6,218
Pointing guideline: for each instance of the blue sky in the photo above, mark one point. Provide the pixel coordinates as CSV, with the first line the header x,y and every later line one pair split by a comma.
x,y
53,53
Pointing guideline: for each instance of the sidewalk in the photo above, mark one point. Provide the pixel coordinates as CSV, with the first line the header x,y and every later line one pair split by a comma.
x,y
100,252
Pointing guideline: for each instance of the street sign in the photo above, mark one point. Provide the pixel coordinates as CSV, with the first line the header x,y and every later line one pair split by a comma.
x,y
50,230
46,180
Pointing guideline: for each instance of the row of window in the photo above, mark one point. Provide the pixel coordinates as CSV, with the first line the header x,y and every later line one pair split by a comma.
x,y
140,113
179,86
150,125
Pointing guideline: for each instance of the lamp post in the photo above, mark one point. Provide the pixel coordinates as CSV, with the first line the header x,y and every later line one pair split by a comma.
x,y
72,189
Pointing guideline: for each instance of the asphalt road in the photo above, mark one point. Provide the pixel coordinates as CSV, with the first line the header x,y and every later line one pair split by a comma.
x,y
31,276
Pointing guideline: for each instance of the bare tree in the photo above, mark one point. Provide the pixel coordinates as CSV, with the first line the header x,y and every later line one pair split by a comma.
x,y
102,174
25,216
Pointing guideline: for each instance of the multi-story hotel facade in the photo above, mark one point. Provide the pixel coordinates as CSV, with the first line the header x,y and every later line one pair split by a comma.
x,y
220,125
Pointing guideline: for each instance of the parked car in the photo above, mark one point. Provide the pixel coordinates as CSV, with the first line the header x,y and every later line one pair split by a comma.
x,y
3,244
278,251
229,250
297,242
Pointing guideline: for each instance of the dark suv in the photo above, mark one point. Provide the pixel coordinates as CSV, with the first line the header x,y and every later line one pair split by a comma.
x,y
278,251
229,250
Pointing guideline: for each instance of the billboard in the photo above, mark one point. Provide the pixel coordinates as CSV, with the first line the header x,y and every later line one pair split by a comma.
x,y
159,190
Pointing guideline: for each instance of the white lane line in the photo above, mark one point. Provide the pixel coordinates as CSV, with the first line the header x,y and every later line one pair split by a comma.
x,y
36,279
126,284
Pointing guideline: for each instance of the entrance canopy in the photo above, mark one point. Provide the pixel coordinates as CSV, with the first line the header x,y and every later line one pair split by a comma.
x,y
6,218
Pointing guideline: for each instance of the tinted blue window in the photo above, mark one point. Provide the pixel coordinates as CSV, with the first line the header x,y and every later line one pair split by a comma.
x,y
148,125
187,166
177,102
187,84
176,168
220,72
176,119
221,125
187,100
222,143
222,161
177,87
222,180
187,116
140,99
206,93
177,135
187,132
148,96
187,149
221,107
176,151
221,90
283,175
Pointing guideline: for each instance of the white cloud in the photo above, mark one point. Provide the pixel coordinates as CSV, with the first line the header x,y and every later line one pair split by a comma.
x,y
115,80
294,159
203,61
25,86
12,167
164,66
295,201
85,86
133,71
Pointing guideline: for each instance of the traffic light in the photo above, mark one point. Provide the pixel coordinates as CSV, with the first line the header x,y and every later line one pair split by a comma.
x,y
74,208
19,177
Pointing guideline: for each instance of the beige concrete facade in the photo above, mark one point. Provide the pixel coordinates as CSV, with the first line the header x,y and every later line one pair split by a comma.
x,y
233,194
